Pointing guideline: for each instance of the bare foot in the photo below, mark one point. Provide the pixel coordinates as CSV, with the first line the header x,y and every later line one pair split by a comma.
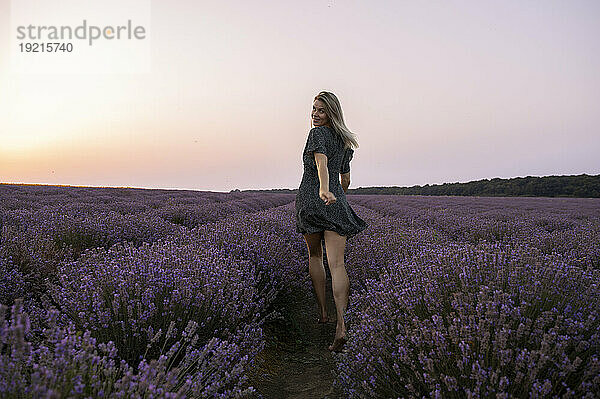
x,y
338,344
323,320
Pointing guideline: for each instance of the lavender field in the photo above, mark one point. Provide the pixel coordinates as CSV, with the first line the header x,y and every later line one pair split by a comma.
x,y
131,293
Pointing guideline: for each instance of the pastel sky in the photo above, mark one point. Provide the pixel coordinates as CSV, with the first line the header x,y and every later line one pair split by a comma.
x,y
447,91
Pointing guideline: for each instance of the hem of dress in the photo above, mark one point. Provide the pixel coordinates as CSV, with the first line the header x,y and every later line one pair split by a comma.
x,y
347,235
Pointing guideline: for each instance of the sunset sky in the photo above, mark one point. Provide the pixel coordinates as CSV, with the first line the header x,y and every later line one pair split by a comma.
x,y
436,92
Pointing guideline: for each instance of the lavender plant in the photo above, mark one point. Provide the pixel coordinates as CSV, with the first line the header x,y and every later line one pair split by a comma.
x,y
69,363
126,293
494,321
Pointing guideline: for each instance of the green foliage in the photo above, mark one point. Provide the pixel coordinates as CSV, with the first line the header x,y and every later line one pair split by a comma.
x,y
580,186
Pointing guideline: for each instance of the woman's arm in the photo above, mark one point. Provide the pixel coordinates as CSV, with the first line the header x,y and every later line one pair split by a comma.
x,y
324,193
345,181
321,161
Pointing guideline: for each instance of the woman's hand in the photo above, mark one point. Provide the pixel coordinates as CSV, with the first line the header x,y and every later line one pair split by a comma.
x,y
327,196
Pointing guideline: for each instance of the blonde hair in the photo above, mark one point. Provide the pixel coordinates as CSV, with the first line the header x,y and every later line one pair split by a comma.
x,y
333,109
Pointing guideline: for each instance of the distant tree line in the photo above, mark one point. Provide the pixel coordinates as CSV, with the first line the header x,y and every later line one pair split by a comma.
x,y
581,186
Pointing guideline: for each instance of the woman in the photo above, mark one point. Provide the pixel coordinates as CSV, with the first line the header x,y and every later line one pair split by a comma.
x,y
322,211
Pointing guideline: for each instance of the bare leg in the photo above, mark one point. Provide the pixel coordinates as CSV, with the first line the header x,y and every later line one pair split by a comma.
x,y
317,270
335,245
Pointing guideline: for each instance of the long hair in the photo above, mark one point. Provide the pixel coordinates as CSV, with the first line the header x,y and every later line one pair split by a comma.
x,y
333,109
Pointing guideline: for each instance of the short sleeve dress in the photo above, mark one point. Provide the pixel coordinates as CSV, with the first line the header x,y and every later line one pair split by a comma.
x,y
312,215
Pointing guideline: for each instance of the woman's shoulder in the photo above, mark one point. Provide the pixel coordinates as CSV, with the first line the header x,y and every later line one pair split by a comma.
x,y
320,129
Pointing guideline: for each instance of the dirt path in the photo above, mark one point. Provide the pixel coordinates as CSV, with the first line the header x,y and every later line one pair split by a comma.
x,y
300,366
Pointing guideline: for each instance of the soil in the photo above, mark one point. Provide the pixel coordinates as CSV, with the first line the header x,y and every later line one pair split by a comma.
x,y
298,364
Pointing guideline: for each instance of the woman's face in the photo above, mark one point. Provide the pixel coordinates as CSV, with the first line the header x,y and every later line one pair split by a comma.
x,y
319,117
